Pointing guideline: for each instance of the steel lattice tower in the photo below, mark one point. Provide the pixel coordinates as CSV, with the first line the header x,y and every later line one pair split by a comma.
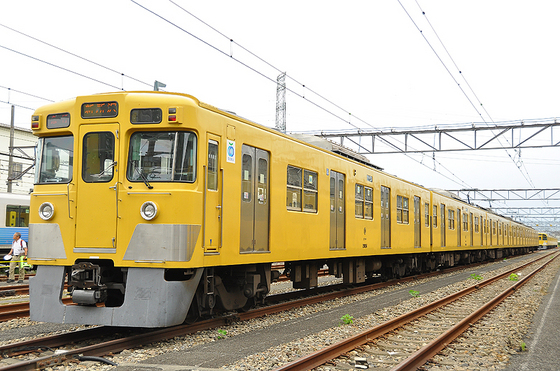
x,y
281,102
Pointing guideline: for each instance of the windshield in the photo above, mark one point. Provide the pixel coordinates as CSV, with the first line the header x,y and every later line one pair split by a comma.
x,y
55,157
162,157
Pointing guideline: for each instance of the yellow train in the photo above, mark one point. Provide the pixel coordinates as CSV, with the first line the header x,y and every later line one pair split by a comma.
x,y
157,207
547,241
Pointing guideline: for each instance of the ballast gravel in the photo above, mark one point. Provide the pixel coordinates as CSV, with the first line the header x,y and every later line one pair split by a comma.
x,y
486,346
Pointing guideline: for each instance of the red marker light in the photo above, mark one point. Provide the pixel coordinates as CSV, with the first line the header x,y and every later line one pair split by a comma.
x,y
172,118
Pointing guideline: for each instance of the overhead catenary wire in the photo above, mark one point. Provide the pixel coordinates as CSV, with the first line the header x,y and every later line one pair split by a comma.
x,y
526,173
74,55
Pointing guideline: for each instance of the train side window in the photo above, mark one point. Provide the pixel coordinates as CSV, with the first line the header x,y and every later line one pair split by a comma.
x,y
465,222
364,202
309,191
293,195
451,219
402,209
434,222
368,203
246,177
476,224
359,201
98,157
17,216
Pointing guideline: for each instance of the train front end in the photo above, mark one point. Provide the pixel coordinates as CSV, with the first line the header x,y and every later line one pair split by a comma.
x,y
115,211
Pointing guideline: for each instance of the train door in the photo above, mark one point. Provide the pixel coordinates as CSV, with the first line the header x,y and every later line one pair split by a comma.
x,y
491,232
212,231
254,200
443,226
98,185
385,218
471,228
337,227
417,225
459,227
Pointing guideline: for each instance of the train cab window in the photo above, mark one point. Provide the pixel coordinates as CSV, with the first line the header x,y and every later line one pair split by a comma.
x,y
402,209
17,216
55,160
434,222
426,214
98,157
162,157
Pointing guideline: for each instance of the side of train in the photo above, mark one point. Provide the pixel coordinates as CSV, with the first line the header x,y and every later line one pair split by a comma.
x,y
14,217
547,241
157,207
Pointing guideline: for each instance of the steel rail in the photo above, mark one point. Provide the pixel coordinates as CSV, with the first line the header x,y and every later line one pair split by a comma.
x,y
426,353
118,345
319,357
19,310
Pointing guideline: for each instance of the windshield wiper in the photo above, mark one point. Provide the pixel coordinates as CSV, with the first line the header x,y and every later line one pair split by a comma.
x,y
104,170
137,169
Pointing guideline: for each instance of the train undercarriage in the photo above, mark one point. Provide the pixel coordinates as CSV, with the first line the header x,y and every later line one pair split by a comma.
x,y
148,297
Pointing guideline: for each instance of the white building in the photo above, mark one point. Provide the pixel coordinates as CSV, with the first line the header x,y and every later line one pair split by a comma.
x,y
22,138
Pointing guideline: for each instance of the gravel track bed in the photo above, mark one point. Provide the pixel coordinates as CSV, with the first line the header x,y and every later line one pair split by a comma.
x,y
276,356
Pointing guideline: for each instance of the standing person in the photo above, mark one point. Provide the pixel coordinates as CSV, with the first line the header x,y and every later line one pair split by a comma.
x,y
18,251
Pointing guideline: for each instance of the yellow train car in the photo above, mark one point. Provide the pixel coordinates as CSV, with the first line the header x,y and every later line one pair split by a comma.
x,y
547,241
155,206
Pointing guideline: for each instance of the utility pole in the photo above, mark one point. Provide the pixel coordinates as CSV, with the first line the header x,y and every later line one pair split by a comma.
x,y
11,159
281,103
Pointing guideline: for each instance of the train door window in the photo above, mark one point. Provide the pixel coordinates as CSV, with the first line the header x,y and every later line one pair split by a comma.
x,y
212,165
385,217
359,201
426,214
293,195
309,191
98,157
434,221
17,216
262,181
246,178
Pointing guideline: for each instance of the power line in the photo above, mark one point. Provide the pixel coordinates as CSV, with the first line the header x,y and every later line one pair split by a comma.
x,y
28,94
526,174
62,68
75,55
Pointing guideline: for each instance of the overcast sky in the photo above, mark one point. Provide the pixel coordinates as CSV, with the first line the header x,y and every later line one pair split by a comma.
x,y
367,57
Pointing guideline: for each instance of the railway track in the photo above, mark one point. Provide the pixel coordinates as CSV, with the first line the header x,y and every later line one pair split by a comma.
x,y
135,339
407,342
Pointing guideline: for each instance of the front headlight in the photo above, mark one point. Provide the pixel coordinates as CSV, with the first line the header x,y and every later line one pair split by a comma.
x,y
46,210
148,210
